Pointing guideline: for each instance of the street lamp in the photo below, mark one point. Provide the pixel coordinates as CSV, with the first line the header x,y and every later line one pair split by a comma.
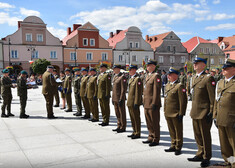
x,y
125,54
9,51
75,55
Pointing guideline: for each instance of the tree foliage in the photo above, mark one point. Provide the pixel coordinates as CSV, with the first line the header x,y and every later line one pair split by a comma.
x,y
40,65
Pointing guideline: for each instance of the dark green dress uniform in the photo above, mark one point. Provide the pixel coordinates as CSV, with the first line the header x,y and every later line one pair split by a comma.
x,y
48,85
68,91
56,95
76,86
103,94
175,104
83,95
22,93
6,85
183,79
91,94
203,97
134,100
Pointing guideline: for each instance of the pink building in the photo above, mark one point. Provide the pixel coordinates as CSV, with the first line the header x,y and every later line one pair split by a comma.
x,y
31,41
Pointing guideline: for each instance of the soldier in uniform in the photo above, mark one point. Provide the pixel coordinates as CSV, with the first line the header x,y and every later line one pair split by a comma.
x,y
152,103
203,94
119,97
188,85
62,95
164,82
76,85
217,76
68,90
91,94
182,78
224,112
22,93
56,95
103,94
175,105
6,85
134,101
207,71
83,96
48,85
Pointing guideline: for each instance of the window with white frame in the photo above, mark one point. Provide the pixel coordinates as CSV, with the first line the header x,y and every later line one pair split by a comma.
x,y
221,61
212,61
120,58
201,50
134,58
35,54
104,56
168,48
227,55
29,37
174,49
137,45
172,59
73,56
14,54
213,50
207,50
182,59
39,37
146,58
160,59
85,42
89,56
53,55
131,44
92,42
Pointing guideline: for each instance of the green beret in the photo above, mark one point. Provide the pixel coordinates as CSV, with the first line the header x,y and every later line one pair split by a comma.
x,y
23,72
5,71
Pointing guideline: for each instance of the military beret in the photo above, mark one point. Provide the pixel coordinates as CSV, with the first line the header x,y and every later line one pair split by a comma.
x,y
50,66
67,69
198,59
23,72
132,66
189,72
229,63
103,65
84,69
217,69
92,69
76,69
54,70
173,70
5,71
117,66
151,61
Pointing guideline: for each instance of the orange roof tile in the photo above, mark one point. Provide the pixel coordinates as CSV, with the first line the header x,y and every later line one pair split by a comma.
x,y
74,33
229,42
117,38
156,41
193,43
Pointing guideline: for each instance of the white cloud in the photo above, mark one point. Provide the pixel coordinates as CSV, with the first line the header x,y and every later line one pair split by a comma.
x,y
156,5
5,5
6,19
217,16
183,33
27,12
62,24
216,1
227,26
60,33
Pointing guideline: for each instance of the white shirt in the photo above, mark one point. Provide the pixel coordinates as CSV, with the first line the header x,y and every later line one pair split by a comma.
x,y
173,82
199,74
227,80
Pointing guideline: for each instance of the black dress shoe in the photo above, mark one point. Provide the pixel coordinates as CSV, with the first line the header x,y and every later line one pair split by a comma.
x,y
116,129
205,163
4,116
77,114
52,117
129,136
62,108
153,144
195,159
146,142
85,117
10,115
171,149
121,130
68,111
56,105
100,123
24,116
177,152
104,124
94,120
135,137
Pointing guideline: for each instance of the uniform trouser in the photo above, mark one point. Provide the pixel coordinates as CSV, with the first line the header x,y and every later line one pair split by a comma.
x,y
86,106
23,100
135,120
227,142
163,90
105,109
94,108
6,102
78,102
121,115
202,135
49,104
69,100
57,98
153,123
176,132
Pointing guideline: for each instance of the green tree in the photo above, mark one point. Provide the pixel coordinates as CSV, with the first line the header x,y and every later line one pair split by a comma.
x,y
40,65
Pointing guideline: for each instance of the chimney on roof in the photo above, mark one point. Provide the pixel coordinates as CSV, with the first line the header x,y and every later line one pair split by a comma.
x,y
111,34
68,31
220,39
118,31
19,22
75,26
155,38
147,37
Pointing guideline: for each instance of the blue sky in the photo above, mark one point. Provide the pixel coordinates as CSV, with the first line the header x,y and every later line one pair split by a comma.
x,y
187,18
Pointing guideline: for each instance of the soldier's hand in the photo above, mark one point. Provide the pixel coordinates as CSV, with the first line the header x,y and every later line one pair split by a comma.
x,y
209,117
154,107
120,102
94,97
106,97
215,122
180,118
136,106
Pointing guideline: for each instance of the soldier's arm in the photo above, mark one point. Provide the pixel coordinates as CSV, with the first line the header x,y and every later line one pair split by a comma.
x,y
215,103
123,88
6,84
211,92
95,86
108,85
156,90
52,80
182,99
138,91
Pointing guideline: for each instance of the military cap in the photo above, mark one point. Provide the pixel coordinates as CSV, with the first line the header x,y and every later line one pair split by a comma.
x,y
5,71
189,72
117,66
67,69
50,66
132,66
23,72
229,63
54,70
173,70
213,70
84,69
207,69
217,69
76,69
92,69
198,59
151,61
103,65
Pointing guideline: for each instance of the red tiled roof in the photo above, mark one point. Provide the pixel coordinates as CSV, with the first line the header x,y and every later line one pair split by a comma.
x,y
74,33
117,38
214,41
156,41
229,42
193,42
